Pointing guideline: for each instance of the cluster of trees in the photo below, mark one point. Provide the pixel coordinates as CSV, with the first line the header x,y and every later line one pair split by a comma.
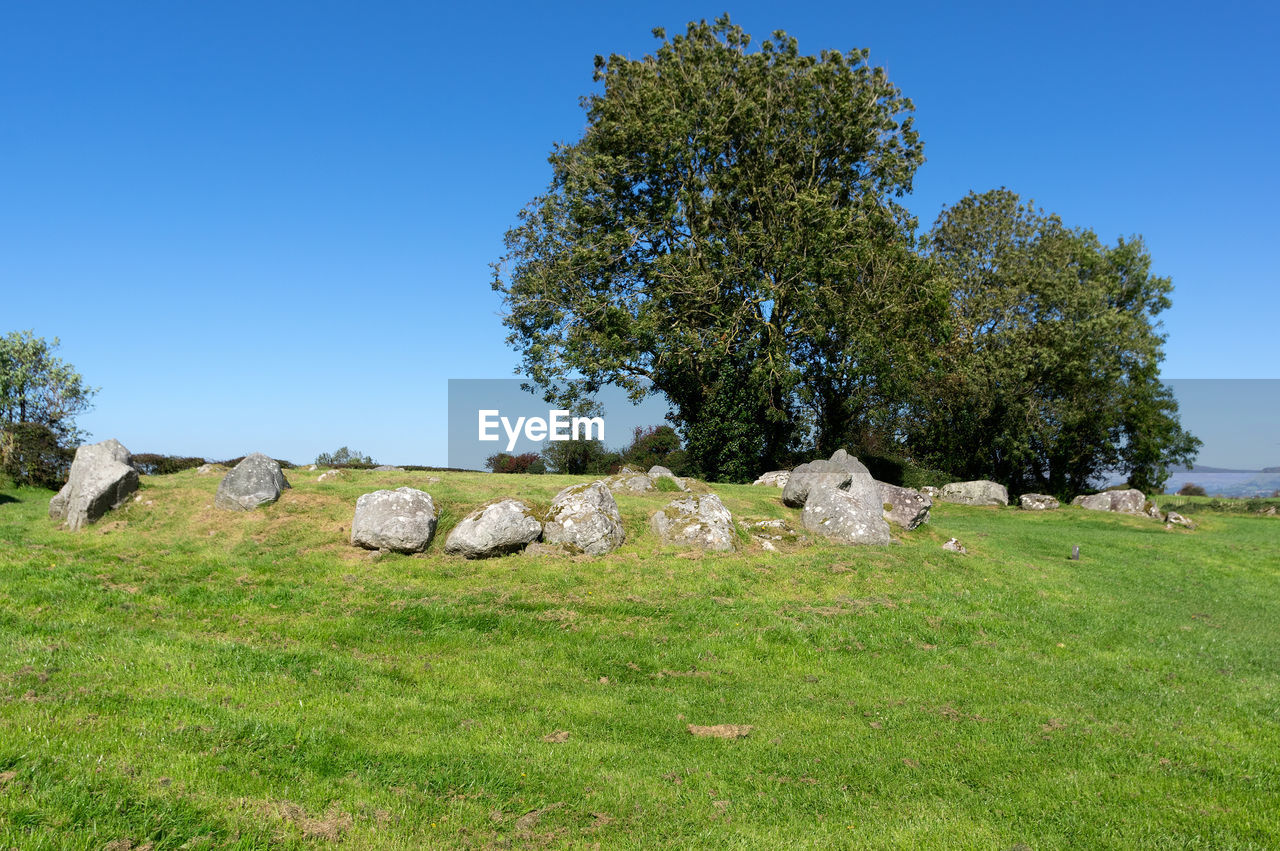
x,y
654,445
345,457
40,398
729,233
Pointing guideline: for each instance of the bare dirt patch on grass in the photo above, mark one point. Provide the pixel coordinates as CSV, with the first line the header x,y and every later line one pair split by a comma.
x,y
722,731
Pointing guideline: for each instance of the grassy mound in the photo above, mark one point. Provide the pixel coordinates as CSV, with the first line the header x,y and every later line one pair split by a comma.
x,y
185,677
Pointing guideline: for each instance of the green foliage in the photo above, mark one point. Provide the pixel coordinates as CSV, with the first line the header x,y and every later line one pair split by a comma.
x,y
151,464
1050,376
579,457
896,470
656,445
528,462
344,457
30,455
40,398
1191,489
724,234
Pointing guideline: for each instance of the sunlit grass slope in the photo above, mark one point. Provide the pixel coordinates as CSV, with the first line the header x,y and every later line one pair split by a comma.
x,y
182,677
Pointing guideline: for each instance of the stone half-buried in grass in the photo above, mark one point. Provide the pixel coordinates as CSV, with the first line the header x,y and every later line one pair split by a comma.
x,y
506,526
255,481
401,520
584,518
905,507
701,522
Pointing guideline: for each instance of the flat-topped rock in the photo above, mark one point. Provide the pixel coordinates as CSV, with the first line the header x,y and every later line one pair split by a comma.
x,y
696,521
255,481
1038,502
1130,501
980,492
401,520
585,518
774,478
102,478
506,526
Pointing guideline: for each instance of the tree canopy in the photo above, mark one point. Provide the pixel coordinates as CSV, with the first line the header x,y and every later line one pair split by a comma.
x,y
725,234
728,233
1049,379
40,398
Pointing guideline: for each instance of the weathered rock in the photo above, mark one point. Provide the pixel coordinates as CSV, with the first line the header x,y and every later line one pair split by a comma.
x,y
696,521
1038,502
931,492
954,546
209,469
905,507
773,533
585,518
388,468
854,516
102,477
1131,501
255,481
402,520
815,475
504,527
630,483
981,492
657,471
332,475
776,478
1173,518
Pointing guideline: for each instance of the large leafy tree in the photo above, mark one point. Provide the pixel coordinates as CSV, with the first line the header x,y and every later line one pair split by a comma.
x,y
1050,376
725,233
40,398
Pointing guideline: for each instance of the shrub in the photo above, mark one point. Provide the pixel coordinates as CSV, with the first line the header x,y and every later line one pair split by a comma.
x,y
152,464
896,470
344,457
30,455
1191,489
579,457
529,462
656,445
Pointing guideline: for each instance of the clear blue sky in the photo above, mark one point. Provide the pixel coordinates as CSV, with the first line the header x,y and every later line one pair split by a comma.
x,y
267,226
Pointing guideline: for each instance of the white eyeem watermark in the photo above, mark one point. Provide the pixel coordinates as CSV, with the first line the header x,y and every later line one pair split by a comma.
x,y
558,425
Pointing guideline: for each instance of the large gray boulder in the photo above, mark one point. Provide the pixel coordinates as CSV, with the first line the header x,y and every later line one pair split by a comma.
x,y
702,522
402,520
1038,502
257,480
504,527
853,516
774,478
1131,501
850,463
585,518
657,471
102,477
905,507
981,492
815,475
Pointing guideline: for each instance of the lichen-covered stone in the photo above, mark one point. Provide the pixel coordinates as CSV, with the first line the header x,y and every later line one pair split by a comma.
x,y
401,520
904,507
696,521
102,477
585,518
1038,502
257,480
980,492
504,527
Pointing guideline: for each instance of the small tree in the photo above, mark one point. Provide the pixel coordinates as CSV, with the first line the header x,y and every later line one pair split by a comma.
x,y
344,457
1191,489
504,462
40,398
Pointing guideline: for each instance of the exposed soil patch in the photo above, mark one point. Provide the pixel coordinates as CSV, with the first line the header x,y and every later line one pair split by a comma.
x,y
530,819
331,826
722,731
557,738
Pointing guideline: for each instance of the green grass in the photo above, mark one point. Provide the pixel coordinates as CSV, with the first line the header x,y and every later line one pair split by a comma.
x,y
192,678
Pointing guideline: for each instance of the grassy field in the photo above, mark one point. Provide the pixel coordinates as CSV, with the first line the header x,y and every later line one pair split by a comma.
x,y
181,677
